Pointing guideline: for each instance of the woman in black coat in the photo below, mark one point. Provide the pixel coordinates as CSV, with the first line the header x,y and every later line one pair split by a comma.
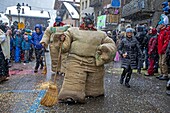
x,y
129,49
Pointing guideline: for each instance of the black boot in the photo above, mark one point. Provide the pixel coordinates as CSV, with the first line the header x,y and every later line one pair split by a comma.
x,y
123,76
36,69
127,85
128,79
139,71
122,79
41,67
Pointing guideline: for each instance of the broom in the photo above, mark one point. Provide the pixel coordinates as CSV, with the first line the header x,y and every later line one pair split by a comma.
x,y
44,72
51,96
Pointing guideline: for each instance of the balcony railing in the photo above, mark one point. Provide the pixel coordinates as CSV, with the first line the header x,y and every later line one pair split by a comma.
x,y
95,3
110,18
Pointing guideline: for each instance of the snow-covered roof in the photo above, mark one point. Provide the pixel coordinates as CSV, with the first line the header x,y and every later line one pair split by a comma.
x,y
27,12
70,0
72,11
4,18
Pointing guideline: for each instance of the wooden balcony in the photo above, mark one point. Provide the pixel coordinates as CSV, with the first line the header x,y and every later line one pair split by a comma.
x,y
137,6
95,3
111,18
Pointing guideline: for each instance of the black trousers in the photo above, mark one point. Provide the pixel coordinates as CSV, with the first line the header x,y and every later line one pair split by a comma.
x,y
39,58
4,70
127,72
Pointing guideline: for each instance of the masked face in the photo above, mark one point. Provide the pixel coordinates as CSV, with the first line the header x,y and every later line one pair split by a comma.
x,y
87,22
58,23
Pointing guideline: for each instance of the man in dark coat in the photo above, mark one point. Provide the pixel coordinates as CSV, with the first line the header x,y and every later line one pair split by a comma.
x,y
130,50
140,36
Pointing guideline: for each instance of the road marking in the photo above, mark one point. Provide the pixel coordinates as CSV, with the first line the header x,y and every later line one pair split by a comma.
x,y
37,101
20,91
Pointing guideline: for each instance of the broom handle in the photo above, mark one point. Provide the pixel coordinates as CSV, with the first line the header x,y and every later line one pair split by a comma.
x,y
45,58
59,60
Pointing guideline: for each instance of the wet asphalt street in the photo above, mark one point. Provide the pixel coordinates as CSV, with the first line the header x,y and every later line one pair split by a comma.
x,y
21,93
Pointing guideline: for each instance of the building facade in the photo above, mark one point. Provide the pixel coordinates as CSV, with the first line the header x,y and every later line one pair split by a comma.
x,y
27,16
69,11
85,8
106,9
143,11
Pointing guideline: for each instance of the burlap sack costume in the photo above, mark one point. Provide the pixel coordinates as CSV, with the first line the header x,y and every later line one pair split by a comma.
x,y
51,37
88,52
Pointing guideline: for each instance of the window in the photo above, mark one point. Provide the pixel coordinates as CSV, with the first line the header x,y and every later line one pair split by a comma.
x,y
67,16
89,2
82,5
86,4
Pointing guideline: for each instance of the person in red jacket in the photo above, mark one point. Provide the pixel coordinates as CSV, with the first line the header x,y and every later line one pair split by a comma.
x,y
163,40
152,52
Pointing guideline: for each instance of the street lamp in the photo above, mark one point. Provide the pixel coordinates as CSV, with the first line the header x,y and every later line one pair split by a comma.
x,y
18,8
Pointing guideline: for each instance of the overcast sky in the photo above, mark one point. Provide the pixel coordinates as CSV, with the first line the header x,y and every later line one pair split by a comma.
x,y
36,4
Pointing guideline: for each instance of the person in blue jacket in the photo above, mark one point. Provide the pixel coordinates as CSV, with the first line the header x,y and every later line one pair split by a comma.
x,y
29,34
36,38
17,45
26,46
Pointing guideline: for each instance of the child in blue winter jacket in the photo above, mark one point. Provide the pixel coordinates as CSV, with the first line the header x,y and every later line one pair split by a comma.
x,y
26,46
36,38
17,45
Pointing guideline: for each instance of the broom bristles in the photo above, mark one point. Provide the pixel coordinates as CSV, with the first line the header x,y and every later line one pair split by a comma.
x,y
51,97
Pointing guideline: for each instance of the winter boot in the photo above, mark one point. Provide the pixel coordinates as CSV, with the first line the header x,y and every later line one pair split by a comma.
x,y
127,80
139,71
122,79
41,67
36,69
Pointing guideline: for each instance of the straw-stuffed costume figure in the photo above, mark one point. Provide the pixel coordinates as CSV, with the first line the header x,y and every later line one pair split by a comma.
x,y
88,50
51,37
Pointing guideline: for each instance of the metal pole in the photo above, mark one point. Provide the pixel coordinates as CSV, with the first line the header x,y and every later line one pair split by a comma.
x,y
10,18
18,16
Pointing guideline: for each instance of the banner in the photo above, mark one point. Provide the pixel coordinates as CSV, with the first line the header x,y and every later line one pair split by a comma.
x,y
101,21
115,3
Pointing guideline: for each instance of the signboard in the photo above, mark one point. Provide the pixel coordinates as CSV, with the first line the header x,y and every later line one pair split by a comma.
x,y
115,3
21,25
101,21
